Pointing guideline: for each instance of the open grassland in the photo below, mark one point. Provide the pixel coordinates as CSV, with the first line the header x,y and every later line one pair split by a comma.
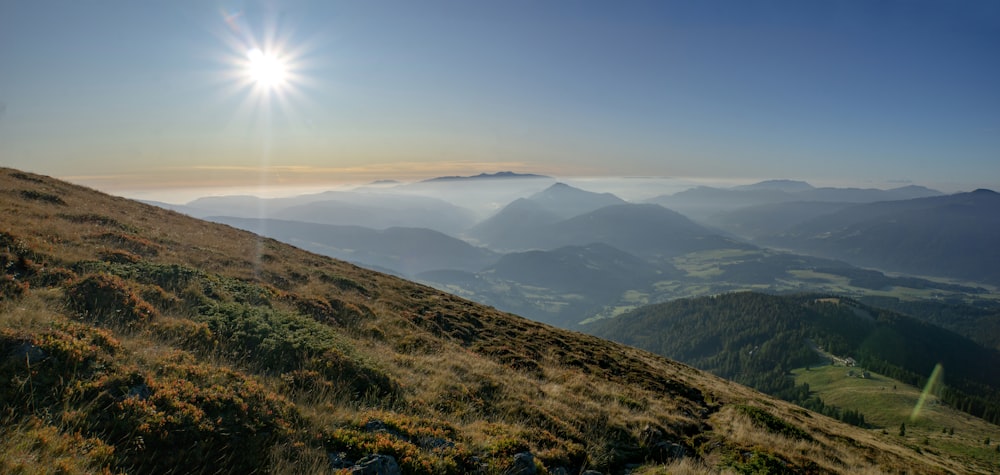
x,y
138,340
888,404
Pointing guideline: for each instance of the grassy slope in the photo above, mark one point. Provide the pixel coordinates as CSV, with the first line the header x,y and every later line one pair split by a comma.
x,y
887,403
229,352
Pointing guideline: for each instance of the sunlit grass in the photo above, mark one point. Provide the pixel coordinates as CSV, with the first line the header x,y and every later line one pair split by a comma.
x,y
887,404
255,352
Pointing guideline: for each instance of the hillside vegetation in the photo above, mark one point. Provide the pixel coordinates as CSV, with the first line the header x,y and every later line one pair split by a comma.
x,y
929,426
757,339
137,340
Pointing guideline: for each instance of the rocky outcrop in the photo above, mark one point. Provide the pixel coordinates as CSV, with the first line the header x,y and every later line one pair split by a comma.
x,y
376,464
524,464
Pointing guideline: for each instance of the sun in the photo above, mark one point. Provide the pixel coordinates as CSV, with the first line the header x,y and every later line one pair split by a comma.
x,y
266,70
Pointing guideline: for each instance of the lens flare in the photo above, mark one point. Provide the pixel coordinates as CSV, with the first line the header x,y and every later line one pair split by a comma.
x,y
931,387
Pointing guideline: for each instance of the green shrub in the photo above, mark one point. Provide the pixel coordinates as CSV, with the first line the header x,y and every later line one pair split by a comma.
x,y
16,267
128,242
306,382
108,299
38,368
11,288
25,268
32,444
416,454
328,310
27,177
279,342
756,462
98,220
35,195
186,415
186,333
119,256
343,283
769,422
159,298
53,276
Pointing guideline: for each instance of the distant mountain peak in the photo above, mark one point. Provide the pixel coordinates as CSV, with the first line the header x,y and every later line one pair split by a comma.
x,y
562,188
984,191
790,186
488,176
568,201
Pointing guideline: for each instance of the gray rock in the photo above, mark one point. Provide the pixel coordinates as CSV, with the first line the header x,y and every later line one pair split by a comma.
x,y
436,443
375,425
664,451
339,460
658,448
591,472
28,353
559,471
141,391
524,464
376,464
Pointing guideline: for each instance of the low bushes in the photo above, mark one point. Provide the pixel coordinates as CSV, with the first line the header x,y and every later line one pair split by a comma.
x,y
769,422
128,242
42,196
108,299
279,342
175,419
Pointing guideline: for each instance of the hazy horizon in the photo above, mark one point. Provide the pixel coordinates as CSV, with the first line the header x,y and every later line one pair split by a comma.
x,y
633,188
137,98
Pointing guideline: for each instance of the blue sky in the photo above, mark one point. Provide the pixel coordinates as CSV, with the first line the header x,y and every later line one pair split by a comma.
x,y
131,95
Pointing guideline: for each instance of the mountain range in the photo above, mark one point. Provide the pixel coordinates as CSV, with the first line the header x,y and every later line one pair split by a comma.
x,y
508,175
689,259
403,251
947,236
703,202
370,208
645,230
134,339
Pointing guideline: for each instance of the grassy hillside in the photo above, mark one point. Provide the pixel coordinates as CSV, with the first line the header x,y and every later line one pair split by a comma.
x,y
137,340
756,339
890,404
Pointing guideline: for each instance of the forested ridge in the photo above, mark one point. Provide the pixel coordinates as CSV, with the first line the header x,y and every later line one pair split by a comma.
x,y
979,322
137,340
757,339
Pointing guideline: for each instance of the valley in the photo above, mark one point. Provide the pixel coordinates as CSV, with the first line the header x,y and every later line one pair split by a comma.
x,y
499,238
585,260
437,382
603,255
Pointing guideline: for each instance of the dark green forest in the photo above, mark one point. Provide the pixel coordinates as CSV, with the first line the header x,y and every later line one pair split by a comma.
x,y
757,339
979,321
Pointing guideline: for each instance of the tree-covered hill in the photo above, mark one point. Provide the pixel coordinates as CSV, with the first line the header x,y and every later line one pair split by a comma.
x,y
947,236
756,339
138,340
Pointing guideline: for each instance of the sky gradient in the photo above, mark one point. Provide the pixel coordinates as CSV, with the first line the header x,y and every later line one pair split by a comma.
x,y
125,95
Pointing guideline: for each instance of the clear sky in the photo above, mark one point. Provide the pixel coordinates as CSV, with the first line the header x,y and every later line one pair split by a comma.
x,y
133,94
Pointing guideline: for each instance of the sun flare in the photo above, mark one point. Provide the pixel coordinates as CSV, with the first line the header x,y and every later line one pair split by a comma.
x,y
266,70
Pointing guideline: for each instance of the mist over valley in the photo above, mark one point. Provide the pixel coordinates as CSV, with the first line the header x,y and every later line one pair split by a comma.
x,y
499,238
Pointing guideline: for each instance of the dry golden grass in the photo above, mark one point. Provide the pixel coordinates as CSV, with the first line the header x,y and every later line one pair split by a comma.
x,y
470,386
33,447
